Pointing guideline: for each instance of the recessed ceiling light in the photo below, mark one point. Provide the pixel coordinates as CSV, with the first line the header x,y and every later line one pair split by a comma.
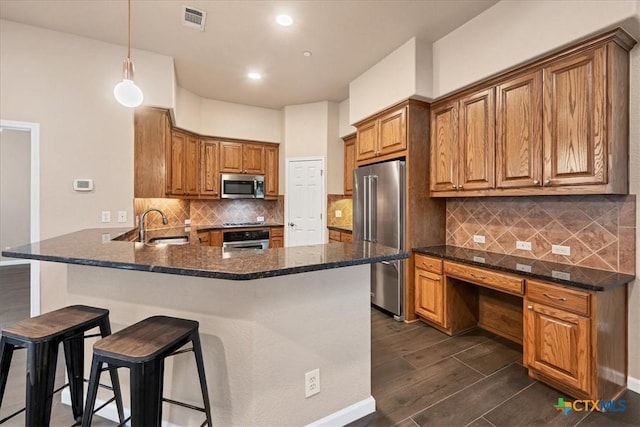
x,y
254,76
307,53
284,20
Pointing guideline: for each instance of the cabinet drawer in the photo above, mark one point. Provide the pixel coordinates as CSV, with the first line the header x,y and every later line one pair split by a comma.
x,y
204,238
346,237
427,263
490,279
334,235
276,232
558,296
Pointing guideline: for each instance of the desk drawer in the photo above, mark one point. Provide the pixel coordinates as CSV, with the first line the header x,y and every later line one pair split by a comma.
x,y
427,263
559,297
490,279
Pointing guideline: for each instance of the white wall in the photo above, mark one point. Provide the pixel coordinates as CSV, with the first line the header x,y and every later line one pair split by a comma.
x,y
65,83
512,32
404,73
231,120
345,122
188,111
15,188
335,151
306,129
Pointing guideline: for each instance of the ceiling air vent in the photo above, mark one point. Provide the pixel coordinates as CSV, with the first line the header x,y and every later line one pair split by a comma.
x,y
193,18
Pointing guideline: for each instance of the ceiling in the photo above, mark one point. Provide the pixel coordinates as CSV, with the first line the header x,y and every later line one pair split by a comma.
x,y
345,37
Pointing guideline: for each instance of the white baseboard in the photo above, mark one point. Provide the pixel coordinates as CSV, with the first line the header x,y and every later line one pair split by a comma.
x,y
633,384
347,415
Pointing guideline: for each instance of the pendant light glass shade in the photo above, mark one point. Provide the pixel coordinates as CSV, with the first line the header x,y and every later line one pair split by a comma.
x,y
126,92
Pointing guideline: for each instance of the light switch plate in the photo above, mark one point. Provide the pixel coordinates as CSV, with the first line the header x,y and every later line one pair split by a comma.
x,y
478,238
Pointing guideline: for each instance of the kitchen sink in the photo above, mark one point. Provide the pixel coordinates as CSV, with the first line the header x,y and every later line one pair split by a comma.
x,y
172,240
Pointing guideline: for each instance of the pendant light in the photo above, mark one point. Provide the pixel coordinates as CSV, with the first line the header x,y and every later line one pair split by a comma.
x,y
126,92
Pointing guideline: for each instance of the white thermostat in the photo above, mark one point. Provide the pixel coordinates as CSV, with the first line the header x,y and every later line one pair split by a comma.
x,y
83,184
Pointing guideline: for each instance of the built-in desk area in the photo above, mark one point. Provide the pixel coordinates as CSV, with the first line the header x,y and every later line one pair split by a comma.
x,y
570,320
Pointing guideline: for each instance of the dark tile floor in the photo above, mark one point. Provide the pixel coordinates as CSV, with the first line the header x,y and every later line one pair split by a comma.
x,y
422,377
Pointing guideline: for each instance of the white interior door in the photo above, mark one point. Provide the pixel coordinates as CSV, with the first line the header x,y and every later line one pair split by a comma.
x,y
305,202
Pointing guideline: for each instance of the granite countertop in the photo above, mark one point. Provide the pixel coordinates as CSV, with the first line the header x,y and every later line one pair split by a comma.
x,y
95,247
344,228
563,274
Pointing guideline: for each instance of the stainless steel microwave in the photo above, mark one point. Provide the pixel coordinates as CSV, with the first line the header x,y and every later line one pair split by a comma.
x,y
242,186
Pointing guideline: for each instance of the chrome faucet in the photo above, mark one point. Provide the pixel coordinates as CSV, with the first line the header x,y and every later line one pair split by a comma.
x,y
165,221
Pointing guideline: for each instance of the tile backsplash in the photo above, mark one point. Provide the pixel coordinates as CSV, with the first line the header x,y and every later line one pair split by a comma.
x,y
600,230
210,212
343,204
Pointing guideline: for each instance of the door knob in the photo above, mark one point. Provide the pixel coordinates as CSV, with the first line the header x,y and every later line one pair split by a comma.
x,y
291,224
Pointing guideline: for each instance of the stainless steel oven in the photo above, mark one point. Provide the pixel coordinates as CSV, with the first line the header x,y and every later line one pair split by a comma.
x,y
242,186
242,240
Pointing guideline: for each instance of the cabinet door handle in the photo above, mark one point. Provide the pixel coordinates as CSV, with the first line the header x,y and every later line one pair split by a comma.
x,y
554,297
536,182
460,186
436,280
547,182
427,265
479,277
529,307
454,186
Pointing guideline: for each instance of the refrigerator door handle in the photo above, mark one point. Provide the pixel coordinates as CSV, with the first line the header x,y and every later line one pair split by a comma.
x,y
365,220
373,208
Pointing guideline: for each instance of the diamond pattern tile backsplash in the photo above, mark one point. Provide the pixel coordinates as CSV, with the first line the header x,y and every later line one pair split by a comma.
x,y
600,230
210,212
343,204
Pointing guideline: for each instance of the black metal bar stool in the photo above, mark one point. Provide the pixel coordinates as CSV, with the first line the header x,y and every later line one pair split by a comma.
x,y
143,347
41,336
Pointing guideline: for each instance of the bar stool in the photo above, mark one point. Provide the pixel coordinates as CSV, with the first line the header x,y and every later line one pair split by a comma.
x,y
41,336
143,347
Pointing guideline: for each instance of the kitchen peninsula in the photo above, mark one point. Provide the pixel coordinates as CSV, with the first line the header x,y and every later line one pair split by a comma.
x,y
266,318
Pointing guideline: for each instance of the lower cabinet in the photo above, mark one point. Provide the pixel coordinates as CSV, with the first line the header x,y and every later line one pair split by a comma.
x,y
572,339
429,296
276,237
336,236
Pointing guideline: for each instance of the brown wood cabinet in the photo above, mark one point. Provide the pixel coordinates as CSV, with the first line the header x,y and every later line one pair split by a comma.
x,y
276,237
576,340
349,163
176,163
183,164
463,147
152,135
209,173
519,131
561,127
382,135
272,159
430,290
240,157
336,236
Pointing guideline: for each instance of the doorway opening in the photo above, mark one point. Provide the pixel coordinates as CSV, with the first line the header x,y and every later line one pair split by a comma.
x,y
20,206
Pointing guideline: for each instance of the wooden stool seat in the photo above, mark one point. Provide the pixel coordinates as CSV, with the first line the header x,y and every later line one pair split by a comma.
x,y
142,348
152,338
41,337
67,320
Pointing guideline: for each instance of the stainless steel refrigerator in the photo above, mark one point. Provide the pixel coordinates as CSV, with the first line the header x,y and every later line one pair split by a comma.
x,y
379,216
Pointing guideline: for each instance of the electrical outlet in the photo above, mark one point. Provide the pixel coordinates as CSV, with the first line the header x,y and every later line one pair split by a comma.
x,y
338,213
561,250
260,219
106,216
122,216
560,275
523,267
312,383
106,238
525,246
478,238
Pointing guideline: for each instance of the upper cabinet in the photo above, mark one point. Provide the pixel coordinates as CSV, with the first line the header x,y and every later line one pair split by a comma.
x,y
183,164
349,163
383,136
558,125
171,162
240,157
271,178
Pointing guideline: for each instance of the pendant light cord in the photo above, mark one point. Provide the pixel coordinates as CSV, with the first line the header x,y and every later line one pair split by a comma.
x,y
129,33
